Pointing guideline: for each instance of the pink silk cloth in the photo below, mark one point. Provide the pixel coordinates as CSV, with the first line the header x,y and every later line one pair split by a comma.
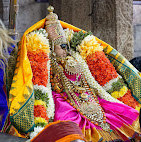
x,y
116,113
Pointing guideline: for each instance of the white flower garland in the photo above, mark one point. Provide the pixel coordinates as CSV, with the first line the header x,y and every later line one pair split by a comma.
x,y
91,81
51,106
48,68
42,31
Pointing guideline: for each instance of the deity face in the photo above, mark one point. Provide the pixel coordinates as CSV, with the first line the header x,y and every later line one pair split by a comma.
x,y
60,52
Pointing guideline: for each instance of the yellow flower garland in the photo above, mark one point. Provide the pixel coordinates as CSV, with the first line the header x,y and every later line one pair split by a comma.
x,y
121,93
37,41
40,120
89,46
40,102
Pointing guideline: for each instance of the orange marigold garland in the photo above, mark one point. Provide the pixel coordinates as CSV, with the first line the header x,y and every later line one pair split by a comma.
x,y
103,71
101,68
38,60
129,100
40,111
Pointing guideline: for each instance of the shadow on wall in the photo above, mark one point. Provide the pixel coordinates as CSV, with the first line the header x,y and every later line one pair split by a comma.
x,y
29,13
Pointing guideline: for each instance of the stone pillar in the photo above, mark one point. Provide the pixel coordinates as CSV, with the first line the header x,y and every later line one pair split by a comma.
x,y
110,20
124,26
104,20
137,29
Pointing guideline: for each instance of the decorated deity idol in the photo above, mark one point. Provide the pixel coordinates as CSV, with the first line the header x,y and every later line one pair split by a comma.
x,y
57,61
95,111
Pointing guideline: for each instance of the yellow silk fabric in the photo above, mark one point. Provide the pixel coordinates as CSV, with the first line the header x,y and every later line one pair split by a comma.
x,y
123,133
21,96
23,74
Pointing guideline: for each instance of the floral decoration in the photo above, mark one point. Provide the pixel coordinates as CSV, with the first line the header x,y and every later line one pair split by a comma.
x,y
69,34
38,40
88,46
129,100
120,93
103,71
91,80
39,121
40,102
38,53
45,94
101,68
109,84
77,38
40,111
38,60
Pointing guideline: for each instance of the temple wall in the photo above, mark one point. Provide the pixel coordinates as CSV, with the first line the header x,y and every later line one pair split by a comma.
x,y
29,13
74,12
124,27
109,20
104,21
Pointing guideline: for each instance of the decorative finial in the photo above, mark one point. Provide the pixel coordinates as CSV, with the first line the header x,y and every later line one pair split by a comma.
x,y
50,9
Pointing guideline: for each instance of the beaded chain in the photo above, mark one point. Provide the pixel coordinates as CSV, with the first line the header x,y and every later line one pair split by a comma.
x,y
89,106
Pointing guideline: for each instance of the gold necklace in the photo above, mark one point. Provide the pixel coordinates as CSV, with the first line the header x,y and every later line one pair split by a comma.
x,y
90,108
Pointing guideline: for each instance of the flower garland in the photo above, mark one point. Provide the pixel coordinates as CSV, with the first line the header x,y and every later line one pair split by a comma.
x,y
78,38
108,85
37,40
103,71
129,100
90,79
89,45
45,94
101,68
105,74
120,93
38,54
38,60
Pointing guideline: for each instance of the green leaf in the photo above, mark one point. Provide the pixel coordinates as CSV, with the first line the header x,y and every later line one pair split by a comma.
x,y
77,38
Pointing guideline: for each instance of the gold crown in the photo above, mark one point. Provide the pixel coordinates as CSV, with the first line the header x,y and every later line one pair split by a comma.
x,y
51,15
